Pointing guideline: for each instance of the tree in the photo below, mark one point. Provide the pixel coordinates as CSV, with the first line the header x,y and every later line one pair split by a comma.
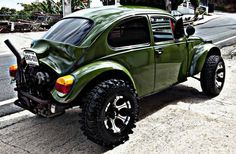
x,y
12,11
175,4
75,4
4,11
48,7
51,7
195,3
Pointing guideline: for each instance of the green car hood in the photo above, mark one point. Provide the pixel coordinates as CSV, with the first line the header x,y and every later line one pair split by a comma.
x,y
60,57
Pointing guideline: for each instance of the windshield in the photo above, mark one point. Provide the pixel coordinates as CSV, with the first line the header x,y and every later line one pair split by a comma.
x,y
69,30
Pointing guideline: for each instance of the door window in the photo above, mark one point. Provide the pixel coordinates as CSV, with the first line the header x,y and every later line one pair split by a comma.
x,y
162,28
130,32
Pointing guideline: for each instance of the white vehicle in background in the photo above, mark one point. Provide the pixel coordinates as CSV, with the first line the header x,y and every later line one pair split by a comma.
x,y
186,7
178,14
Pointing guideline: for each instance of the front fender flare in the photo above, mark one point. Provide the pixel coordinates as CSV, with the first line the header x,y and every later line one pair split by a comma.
x,y
85,74
199,58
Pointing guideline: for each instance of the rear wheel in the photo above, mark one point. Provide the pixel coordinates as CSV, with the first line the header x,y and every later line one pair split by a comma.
x,y
213,75
110,112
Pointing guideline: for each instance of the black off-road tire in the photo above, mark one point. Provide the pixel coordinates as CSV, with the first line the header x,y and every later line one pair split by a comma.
x,y
213,75
98,110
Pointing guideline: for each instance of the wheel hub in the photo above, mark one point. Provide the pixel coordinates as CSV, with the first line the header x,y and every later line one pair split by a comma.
x,y
219,75
117,115
112,112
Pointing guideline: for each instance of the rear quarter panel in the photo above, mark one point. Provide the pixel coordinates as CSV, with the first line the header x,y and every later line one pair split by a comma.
x,y
137,59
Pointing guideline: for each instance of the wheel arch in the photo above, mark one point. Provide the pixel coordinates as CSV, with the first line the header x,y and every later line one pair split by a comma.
x,y
214,51
111,74
91,74
200,57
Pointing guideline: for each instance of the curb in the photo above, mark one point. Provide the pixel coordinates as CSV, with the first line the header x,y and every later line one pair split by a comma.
x,y
196,24
227,42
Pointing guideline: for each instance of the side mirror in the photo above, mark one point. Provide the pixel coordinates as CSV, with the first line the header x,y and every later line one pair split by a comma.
x,y
190,30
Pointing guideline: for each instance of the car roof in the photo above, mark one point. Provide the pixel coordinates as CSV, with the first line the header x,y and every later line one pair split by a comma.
x,y
114,11
104,16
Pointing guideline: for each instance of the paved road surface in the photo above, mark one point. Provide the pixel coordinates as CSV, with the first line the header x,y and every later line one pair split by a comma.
x,y
219,29
6,91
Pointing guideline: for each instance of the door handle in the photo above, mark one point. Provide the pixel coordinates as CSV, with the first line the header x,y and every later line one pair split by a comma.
x,y
159,51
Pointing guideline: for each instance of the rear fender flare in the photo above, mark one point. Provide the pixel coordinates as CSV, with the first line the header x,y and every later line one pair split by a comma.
x,y
87,73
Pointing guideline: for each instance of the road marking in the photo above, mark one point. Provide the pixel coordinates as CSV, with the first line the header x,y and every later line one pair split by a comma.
x,y
17,115
11,119
225,40
9,101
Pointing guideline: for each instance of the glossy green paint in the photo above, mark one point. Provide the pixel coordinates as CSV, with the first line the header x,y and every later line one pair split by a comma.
x,y
60,57
104,17
148,71
138,59
85,74
140,63
200,53
171,65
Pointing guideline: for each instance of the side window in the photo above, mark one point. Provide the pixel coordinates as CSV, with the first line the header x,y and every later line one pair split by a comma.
x,y
130,32
162,28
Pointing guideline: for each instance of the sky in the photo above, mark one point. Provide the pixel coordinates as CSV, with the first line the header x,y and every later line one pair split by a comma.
x,y
13,3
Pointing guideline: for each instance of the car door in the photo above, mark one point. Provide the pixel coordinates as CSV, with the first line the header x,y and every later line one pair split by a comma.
x,y
170,53
130,41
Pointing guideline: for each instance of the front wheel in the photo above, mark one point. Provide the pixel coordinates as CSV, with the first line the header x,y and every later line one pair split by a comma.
x,y
109,112
213,75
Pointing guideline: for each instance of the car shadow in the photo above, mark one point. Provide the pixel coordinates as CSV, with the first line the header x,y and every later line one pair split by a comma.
x,y
149,105
63,135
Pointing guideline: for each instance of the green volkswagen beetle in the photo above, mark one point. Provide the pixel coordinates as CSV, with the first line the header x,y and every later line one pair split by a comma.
x,y
104,59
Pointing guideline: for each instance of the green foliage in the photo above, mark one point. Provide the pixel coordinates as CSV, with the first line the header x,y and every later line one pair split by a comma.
x,y
25,15
12,11
49,7
46,7
7,11
75,4
28,7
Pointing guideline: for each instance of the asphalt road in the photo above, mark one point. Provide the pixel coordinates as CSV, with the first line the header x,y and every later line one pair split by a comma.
x,y
6,91
218,30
